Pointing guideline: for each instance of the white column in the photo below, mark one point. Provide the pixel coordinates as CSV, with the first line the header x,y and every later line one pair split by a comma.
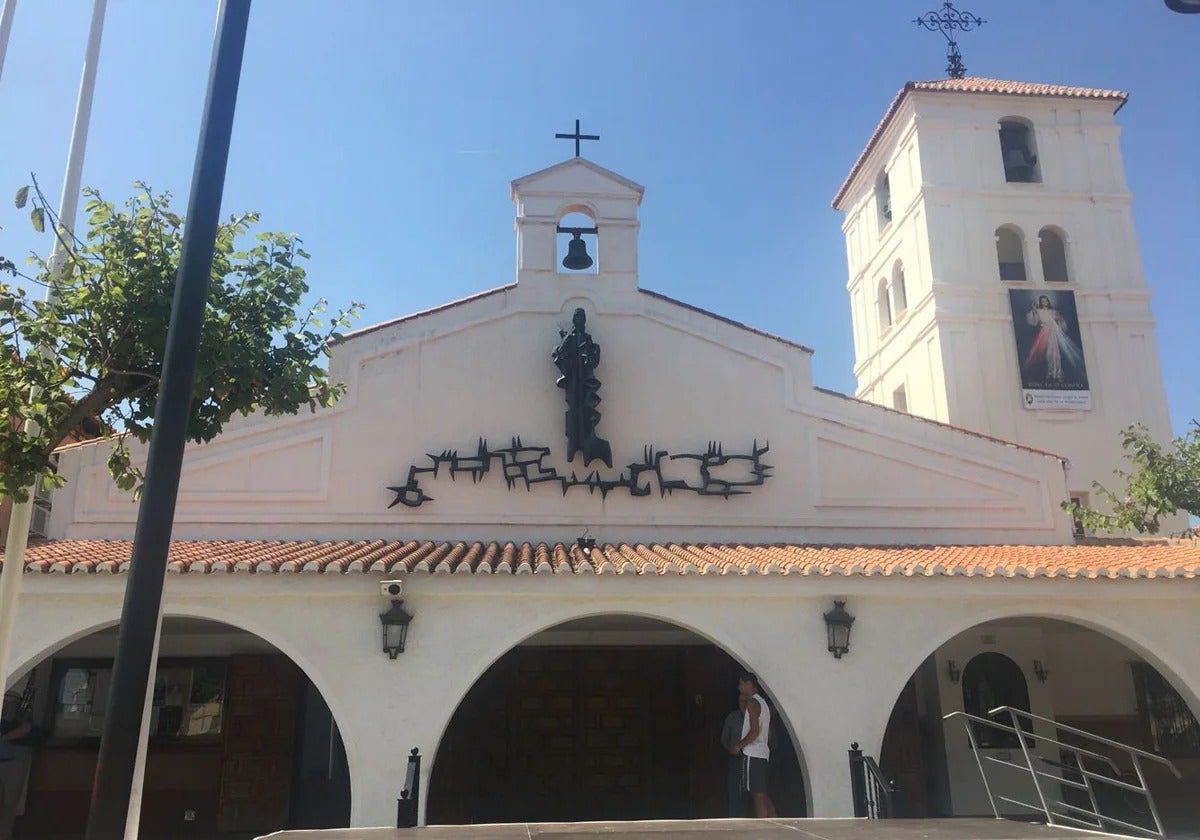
x,y
6,19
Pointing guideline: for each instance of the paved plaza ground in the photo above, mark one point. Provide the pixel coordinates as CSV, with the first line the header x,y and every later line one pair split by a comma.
x,y
777,829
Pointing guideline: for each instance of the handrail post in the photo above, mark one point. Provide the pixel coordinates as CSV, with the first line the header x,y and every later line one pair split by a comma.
x,y
410,797
1087,780
858,784
1137,765
1033,774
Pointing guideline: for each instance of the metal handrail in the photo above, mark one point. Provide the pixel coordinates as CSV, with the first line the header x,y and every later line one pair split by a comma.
x,y
872,793
882,786
1100,739
1053,817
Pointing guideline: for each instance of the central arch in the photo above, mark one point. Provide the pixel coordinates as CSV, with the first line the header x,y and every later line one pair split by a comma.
x,y
608,716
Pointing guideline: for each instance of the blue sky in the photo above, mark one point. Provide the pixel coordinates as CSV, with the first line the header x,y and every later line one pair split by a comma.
x,y
386,134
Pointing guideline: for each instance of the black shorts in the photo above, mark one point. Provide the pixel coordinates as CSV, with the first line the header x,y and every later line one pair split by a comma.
x,y
754,774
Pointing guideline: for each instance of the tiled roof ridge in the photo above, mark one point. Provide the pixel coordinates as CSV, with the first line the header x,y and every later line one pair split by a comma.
x,y
969,84
1159,558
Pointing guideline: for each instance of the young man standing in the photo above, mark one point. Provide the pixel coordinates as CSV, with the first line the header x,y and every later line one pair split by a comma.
x,y
752,746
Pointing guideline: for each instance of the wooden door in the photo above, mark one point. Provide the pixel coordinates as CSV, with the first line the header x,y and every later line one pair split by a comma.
x,y
902,757
260,729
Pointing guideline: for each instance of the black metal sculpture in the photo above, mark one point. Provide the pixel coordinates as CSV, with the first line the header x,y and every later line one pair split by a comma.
x,y
576,358
717,474
714,473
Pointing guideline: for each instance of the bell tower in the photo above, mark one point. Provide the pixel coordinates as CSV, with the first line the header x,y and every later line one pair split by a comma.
x,y
994,275
577,221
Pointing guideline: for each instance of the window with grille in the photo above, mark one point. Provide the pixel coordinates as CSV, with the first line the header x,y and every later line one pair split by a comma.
x,y
1170,724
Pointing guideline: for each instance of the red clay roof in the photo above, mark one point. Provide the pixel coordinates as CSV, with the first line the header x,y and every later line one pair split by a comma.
x,y
1159,559
972,85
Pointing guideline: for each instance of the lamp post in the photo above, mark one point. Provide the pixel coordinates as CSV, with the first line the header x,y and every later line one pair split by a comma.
x,y
141,609
837,628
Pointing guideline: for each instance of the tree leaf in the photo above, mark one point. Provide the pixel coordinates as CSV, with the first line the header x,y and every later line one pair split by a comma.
x,y
22,197
38,217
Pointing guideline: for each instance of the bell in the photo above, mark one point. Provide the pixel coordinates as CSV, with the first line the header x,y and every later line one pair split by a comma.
x,y
1018,166
577,257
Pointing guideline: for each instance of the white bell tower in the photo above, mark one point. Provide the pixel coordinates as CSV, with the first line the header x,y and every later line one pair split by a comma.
x,y
994,275
577,187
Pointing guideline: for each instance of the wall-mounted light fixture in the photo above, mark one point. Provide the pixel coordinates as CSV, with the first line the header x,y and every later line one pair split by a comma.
x,y
1039,670
952,671
395,628
586,543
837,628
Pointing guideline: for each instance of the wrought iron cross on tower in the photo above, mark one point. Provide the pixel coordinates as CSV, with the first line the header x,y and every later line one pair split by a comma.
x,y
947,21
577,137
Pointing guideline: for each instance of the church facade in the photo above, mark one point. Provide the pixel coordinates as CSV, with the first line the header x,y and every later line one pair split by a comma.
x,y
598,505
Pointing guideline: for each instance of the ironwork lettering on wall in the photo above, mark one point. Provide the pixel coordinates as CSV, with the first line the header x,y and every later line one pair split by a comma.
x,y
709,473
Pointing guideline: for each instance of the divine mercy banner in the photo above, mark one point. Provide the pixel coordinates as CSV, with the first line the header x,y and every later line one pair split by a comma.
x,y
1049,349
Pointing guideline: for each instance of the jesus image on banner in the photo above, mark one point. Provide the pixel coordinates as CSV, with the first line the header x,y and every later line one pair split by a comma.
x,y
1052,343
1049,347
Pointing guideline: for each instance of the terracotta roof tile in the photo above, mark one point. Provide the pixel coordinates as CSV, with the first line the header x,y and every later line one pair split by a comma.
x,y
971,85
1095,559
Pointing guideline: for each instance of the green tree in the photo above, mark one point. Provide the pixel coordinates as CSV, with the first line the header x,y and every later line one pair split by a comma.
x,y
1163,480
92,351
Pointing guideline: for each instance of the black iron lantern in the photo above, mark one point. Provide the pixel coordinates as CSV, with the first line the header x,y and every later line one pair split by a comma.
x,y
837,626
395,628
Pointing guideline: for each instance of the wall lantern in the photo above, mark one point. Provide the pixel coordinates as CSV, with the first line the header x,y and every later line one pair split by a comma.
x,y
586,544
395,628
837,626
952,671
1039,670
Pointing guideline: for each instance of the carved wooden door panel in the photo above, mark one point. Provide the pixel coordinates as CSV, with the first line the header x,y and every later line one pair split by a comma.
x,y
902,757
260,731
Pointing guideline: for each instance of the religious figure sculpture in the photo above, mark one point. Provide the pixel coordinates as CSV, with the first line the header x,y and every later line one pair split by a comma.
x,y
576,357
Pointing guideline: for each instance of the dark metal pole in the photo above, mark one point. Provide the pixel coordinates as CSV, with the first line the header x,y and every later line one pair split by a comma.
x,y
152,538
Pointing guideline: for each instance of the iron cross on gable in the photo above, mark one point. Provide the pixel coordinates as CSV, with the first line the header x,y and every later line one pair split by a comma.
x,y
577,137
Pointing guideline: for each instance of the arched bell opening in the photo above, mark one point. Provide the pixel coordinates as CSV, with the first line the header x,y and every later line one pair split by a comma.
x,y
577,242
609,717
241,741
1073,675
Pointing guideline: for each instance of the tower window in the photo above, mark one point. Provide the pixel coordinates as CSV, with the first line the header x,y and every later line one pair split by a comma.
x,y
900,399
899,293
1018,153
1010,253
884,306
1054,256
883,199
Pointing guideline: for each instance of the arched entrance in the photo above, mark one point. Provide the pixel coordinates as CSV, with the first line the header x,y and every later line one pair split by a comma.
x,y
1072,674
611,717
241,740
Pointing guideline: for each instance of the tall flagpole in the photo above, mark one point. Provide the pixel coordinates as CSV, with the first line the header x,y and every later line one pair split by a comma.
x,y
141,611
6,19
68,205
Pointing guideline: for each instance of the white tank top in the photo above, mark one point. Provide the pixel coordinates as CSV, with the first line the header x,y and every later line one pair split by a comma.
x,y
758,747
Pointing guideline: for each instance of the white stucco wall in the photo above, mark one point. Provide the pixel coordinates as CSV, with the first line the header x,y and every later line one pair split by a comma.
x,y
772,624
673,377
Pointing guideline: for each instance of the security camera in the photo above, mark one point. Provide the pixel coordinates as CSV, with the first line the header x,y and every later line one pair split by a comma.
x,y
391,588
